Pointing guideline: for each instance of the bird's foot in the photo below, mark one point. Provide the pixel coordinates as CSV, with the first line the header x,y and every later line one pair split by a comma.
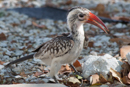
x,y
56,81
76,72
79,75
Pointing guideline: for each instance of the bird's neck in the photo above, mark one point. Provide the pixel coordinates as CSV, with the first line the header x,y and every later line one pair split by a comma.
x,y
77,32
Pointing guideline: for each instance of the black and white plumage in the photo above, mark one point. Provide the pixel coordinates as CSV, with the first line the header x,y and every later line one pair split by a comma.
x,y
56,47
67,47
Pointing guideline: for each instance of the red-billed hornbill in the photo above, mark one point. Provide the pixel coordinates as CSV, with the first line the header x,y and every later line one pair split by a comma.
x,y
65,48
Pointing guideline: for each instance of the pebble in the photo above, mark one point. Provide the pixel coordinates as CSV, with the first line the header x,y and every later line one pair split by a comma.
x,y
52,80
104,86
119,25
1,66
45,80
100,64
18,76
119,34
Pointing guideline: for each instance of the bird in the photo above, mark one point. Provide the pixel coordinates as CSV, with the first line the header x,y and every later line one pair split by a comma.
x,y
65,48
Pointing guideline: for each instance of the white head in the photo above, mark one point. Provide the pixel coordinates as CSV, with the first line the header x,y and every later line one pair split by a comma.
x,y
79,16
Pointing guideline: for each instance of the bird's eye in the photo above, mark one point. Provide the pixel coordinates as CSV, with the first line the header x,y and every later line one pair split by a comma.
x,y
81,15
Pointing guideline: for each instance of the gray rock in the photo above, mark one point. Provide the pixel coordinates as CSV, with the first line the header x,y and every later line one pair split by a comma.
x,y
100,64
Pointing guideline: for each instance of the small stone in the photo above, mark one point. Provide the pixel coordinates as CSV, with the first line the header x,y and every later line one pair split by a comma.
x,y
104,86
52,80
18,76
1,67
119,25
93,53
45,80
18,52
42,76
21,81
36,3
119,34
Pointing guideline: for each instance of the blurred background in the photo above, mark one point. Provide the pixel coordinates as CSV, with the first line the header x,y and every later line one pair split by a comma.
x,y
25,24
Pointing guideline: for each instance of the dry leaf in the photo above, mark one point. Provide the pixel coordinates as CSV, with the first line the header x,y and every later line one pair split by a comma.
x,y
126,80
124,37
14,24
96,85
49,3
116,75
72,82
95,80
65,69
124,50
39,26
121,18
122,41
129,75
79,58
2,36
38,74
23,74
125,73
13,41
125,69
91,44
1,62
45,71
13,82
52,35
100,8
68,2
29,46
77,66
102,79
110,79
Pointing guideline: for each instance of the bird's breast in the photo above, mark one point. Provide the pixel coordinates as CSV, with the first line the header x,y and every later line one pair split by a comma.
x,y
73,54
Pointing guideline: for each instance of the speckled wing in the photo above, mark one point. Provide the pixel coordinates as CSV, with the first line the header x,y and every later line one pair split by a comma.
x,y
56,47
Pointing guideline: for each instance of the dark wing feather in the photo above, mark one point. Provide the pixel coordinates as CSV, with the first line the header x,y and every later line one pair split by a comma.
x,y
38,48
56,47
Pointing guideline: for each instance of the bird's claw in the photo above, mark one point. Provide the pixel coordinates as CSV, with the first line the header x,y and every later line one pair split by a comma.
x,y
56,81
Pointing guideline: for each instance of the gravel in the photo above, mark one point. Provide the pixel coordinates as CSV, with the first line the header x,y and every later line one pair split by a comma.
x,y
23,35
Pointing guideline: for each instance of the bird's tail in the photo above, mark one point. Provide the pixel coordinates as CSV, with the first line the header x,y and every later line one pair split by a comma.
x,y
20,60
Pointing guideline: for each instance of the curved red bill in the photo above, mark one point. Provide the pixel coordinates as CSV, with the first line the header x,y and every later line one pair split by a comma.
x,y
93,19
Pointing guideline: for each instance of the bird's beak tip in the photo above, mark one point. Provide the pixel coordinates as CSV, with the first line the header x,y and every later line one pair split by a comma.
x,y
93,19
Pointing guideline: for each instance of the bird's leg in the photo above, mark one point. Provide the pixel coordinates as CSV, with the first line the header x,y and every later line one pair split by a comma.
x,y
55,79
55,67
75,70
